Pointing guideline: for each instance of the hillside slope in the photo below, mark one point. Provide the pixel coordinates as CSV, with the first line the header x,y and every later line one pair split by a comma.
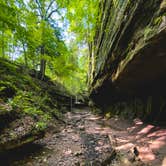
x,y
27,105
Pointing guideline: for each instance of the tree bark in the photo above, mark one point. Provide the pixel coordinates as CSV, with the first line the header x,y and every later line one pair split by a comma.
x,y
90,62
42,63
25,55
3,42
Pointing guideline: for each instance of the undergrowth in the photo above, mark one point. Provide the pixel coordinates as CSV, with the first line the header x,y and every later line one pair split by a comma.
x,y
27,95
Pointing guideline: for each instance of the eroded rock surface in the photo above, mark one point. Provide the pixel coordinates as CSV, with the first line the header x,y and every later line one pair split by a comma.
x,y
130,54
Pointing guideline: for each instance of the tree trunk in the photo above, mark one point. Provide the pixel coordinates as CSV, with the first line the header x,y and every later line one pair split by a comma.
x,y
90,63
3,42
25,55
42,63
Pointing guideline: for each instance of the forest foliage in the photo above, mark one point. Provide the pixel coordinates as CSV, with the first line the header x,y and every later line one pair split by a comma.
x,y
50,36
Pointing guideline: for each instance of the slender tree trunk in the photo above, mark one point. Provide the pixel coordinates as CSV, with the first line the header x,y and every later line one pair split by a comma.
x,y
3,42
25,55
42,63
42,68
90,63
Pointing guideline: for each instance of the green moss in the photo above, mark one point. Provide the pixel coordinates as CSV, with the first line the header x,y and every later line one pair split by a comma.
x,y
108,115
40,126
148,33
7,89
163,5
158,20
27,101
29,96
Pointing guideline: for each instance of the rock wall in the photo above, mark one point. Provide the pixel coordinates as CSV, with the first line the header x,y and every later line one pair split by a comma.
x,y
130,51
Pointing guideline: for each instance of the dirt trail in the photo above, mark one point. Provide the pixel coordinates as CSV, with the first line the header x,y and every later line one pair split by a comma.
x,y
88,139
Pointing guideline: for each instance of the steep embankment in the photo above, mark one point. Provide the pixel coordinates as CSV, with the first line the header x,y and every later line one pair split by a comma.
x,y
129,58
27,105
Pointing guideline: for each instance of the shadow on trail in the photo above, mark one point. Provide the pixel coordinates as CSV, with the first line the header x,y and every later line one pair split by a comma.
x,y
24,153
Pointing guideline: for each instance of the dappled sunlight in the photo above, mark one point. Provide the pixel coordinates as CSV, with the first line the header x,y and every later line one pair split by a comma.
x,y
150,140
122,140
146,154
147,138
157,143
157,133
146,129
137,121
164,161
125,146
99,130
93,118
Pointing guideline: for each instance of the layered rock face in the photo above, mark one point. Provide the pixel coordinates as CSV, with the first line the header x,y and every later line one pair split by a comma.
x,y
130,52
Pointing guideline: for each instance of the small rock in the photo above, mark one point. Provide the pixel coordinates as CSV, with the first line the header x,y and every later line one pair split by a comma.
x,y
55,136
29,164
82,164
45,160
40,160
81,128
92,142
78,153
67,152
77,163
135,151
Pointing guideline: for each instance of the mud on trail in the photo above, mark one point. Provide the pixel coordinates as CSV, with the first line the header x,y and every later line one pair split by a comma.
x,y
87,139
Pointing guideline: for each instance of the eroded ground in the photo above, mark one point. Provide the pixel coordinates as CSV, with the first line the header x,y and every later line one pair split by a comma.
x,y
88,139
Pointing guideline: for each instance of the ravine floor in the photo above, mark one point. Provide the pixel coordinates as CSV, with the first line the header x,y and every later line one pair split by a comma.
x,y
91,140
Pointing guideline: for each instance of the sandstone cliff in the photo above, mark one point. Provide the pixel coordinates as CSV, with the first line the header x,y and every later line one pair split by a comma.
x,y
130,52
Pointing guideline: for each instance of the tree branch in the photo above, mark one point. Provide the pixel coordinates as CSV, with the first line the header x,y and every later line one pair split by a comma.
x,y
53,11
40,8
49,6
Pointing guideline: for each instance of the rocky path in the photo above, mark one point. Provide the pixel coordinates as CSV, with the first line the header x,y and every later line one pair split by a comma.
x,y
91,140
80,142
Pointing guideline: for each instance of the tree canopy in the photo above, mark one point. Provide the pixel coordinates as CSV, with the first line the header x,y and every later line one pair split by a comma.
x,y
51,36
